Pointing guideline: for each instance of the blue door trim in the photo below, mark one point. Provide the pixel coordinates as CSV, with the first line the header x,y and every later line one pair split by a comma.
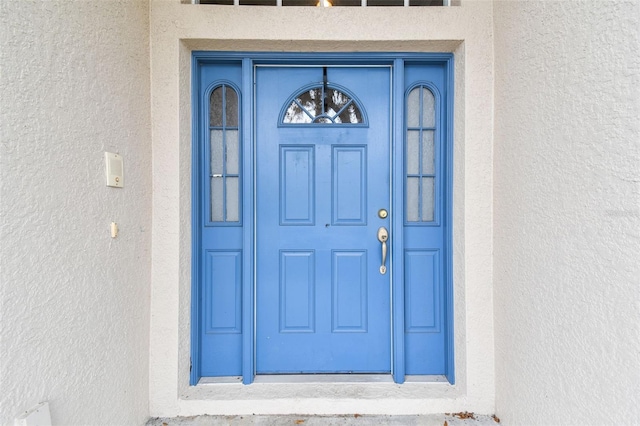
x,y
196,133
247,60
448,213
248,294
397,207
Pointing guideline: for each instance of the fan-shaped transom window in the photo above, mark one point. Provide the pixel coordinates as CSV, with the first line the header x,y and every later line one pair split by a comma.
x,y
324,104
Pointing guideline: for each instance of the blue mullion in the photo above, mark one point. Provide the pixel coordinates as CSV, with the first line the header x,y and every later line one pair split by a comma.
x,y
245,144
224,153
397,221
223,128
420,122
436,162
421,128
206,147
342,109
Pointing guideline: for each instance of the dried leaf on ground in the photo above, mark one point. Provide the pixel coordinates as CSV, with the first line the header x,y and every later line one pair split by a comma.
x,y
357,415
445,423
495,418
299,422
465,415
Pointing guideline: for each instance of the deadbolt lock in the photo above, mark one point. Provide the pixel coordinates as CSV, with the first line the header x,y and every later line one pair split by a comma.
x,y
382,214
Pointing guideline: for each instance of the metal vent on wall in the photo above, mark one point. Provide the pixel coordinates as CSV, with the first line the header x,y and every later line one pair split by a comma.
x,y
326,3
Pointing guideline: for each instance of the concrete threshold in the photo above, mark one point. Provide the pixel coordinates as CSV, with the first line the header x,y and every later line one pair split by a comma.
x,y
452,419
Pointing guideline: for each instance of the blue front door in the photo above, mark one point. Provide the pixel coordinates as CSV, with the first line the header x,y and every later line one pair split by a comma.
x,y
299,172
322,190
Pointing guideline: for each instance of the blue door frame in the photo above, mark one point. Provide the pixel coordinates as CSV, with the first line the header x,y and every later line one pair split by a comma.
x,y
240,76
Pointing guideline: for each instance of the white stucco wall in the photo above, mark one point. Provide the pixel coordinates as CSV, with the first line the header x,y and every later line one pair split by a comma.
x,y
74,303
567,212
176,30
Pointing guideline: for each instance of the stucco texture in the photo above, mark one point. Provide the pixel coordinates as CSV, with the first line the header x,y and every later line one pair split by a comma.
x,y
546,165
176,30
567,212
74,303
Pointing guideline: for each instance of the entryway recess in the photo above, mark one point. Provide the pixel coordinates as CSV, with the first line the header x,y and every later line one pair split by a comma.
x,y
322,215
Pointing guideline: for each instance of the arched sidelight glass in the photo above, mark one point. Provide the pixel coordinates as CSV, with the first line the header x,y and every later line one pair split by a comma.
x,y
420,155
224,152
323,104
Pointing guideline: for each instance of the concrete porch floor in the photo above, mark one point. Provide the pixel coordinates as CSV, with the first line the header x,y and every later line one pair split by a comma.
x,y
449,419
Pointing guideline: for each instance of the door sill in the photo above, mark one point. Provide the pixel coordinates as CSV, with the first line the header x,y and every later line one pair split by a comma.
x,y
426,378
219,380
323,378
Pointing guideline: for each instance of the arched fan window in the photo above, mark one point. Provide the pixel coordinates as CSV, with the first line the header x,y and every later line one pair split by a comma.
x,y
323,104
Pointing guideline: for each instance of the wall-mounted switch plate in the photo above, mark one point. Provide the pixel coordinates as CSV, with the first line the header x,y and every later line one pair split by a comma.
x,y
115,169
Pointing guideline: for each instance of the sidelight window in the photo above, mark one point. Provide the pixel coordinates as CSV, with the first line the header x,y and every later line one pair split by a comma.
x,y
420,155
224,155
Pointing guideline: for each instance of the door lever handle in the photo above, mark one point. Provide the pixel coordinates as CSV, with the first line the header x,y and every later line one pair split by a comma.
x,y
383,236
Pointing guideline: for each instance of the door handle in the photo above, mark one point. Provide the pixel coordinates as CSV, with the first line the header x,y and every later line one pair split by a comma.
x,y
383,236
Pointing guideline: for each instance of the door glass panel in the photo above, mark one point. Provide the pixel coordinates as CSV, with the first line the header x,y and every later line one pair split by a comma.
x,y
311,101
337,99
350,114
428,108
232,152
413,199
224,152
426,3
413,152
385,3
296,115
428,155
327,3
324,105
413,108
258,2
215,107
232,199
421,155
231,116
216,152
427,199
216,199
